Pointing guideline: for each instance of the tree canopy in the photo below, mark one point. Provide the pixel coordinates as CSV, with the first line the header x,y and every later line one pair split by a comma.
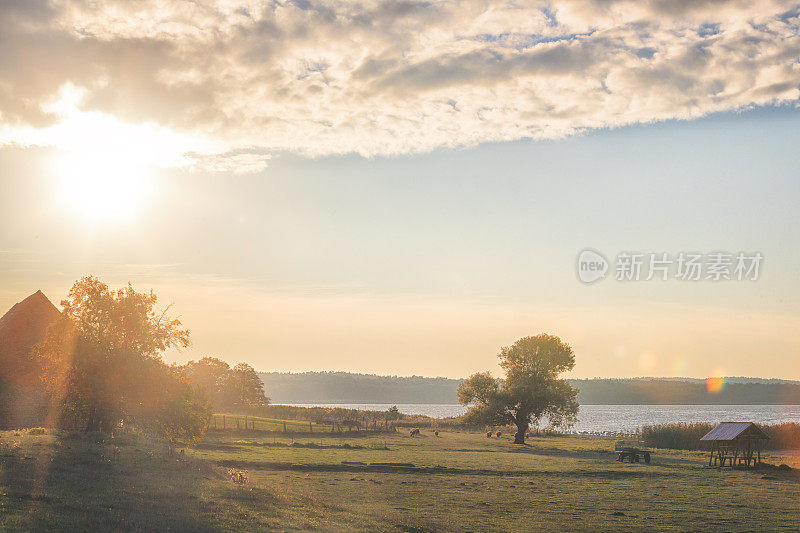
x,y
101,363
230,389
530,390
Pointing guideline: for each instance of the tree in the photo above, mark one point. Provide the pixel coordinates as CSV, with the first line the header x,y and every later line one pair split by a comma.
x,y
209,374
242,389
101,359
392,414
530,390
182,412
231,389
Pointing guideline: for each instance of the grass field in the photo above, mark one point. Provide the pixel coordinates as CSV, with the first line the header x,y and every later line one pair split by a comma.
x,y
220,421
458,481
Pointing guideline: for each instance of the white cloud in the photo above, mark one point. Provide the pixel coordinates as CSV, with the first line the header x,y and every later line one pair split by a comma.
x,y
386,77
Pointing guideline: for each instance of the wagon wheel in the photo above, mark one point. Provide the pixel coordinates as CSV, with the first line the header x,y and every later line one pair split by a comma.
x,y
647,457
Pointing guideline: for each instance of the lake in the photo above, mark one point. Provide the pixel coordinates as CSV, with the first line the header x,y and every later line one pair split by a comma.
x,y
620,418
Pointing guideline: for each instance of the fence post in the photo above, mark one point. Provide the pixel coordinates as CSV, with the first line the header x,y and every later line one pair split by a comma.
x,y
223,422
284,426
310,427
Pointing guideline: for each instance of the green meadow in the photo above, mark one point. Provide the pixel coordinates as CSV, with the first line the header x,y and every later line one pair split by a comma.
x,y
390,482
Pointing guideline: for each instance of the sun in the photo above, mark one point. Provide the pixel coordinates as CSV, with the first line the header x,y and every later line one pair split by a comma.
x,y
102,187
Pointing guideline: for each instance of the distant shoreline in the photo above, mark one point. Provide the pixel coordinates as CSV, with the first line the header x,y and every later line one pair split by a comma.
x,y
350,388
605,419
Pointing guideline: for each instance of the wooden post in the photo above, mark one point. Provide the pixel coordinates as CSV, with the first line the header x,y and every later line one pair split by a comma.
x,y
284,426
310,427
223,421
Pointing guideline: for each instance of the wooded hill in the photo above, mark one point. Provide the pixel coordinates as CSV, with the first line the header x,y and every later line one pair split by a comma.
x,y
345,387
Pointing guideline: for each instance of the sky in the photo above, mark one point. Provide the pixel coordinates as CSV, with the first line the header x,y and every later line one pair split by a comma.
x,y
403,188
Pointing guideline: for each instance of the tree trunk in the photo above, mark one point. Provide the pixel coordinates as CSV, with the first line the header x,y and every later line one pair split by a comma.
x,y
91,424
519,436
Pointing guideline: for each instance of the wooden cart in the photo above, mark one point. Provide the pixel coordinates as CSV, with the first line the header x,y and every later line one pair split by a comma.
x,y
632,451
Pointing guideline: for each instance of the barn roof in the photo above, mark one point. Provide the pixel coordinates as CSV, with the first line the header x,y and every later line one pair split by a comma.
x,y
732,430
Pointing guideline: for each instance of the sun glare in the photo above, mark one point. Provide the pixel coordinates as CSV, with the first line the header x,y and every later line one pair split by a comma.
x,y
103,172
102,187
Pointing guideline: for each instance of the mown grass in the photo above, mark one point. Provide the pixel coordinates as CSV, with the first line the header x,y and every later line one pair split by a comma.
x,y
458,481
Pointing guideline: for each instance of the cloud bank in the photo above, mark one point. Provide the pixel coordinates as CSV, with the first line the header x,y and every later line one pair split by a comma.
x,y
390,77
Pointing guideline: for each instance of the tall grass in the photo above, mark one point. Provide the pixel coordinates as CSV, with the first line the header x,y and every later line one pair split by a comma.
x,y
687,436
675,436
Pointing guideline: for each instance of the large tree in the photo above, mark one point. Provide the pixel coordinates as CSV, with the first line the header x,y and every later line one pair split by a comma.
x,y
102,360
530,391
230,389
241,388
209,373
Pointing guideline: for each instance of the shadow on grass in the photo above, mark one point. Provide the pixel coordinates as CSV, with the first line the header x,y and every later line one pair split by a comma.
x,y
384,468
88,483
659,458
242,445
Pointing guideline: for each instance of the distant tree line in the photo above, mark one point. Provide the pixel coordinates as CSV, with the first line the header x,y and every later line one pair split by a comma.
x,y
345,387
660,391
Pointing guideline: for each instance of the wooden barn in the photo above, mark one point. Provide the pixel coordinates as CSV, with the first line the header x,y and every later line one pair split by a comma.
x,y
738,443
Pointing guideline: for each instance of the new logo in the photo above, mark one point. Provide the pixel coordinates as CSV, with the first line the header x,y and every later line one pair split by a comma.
x,y
591,266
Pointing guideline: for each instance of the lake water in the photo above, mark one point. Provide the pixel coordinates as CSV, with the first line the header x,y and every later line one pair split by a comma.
x,y
621,418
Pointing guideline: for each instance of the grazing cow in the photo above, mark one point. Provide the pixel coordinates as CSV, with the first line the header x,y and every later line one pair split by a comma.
x,y
489,435
499,434
414,431
436,433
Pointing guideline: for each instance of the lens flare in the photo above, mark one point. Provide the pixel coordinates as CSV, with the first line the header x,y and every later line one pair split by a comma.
x,y
715,385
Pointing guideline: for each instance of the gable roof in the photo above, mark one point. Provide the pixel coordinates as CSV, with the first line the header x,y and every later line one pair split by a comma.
x,y
732,430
